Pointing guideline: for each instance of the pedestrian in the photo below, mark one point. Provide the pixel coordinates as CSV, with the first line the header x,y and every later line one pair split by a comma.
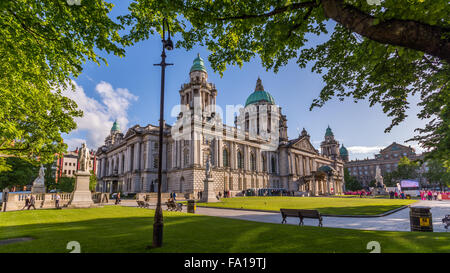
x,y
32,201
422,195
439,196
27,202
396,195
57,198
174,195
220,194
430,195
119,198
435,195
171,194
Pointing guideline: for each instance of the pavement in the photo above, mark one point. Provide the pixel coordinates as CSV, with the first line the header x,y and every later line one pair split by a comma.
x,y
398,221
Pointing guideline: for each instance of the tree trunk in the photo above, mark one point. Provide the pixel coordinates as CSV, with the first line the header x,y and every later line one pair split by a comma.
x,y
406,33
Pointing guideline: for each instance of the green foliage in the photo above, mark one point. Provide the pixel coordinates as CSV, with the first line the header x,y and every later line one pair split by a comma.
x,y
50,176
406,169
22,173
66,184
351,183
44,44
437,174
386,55
92,181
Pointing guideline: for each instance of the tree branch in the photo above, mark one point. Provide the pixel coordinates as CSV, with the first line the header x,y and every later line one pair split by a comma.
x,y
273,12
406,33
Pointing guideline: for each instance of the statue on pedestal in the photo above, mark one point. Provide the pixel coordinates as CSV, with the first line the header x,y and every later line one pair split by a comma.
x,y
380,187
81,196
84,158
39,183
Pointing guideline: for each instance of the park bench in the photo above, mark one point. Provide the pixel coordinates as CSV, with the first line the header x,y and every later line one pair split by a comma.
x,y
301,214
142,204
171,205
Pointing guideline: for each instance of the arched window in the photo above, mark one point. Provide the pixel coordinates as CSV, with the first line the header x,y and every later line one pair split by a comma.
x,y
225,158
252,162
240,160
274,164
181,184
186,158
264,163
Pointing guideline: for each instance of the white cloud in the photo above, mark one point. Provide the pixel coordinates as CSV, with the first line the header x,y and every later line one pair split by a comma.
x,y
364,149
99,116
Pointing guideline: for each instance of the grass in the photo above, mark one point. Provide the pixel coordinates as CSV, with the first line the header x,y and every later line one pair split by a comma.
x,y
128,229
325,205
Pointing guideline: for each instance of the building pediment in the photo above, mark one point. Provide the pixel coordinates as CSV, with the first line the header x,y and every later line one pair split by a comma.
x,y
304,144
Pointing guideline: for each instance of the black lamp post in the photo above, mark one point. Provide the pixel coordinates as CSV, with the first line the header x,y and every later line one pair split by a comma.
x,y
158,220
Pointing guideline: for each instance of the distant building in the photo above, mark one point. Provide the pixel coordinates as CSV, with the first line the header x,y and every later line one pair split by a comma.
x,y
68,164
387,159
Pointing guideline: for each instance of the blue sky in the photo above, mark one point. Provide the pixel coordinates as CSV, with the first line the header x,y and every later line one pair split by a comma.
x,y
128,90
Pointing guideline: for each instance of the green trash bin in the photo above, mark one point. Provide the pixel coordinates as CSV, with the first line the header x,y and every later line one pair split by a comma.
x,y
191,207
421,219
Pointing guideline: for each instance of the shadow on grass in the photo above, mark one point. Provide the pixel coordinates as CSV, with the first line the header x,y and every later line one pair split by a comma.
x,y
195,233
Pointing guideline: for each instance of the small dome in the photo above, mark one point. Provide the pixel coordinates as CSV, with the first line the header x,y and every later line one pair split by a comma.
x,y
343,151
115,127
259,95
198,65
329,132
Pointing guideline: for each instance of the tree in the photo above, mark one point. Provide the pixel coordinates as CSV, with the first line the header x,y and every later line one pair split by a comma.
x,y
406,169
384,53
66,184
437,174
92,181
44,44
351,183
50,176
22,173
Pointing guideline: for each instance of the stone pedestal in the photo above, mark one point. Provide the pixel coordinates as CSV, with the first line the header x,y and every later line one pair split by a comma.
x,y
81,196
38,188
209,195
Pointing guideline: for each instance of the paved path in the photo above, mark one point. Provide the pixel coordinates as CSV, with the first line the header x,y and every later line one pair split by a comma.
x,y
398,221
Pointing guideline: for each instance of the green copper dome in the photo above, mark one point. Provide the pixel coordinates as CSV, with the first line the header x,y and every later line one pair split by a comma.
x,y
259,95
115,126
329,132
343,151
198,65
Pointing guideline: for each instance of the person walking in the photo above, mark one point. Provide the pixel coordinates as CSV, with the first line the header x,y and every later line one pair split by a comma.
x,y
118,198
435,194
174,197
57,198
32,201
27,202
430,195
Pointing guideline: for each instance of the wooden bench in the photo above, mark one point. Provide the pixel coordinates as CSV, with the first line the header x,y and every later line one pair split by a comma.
x,y
301,214
142,204
174,206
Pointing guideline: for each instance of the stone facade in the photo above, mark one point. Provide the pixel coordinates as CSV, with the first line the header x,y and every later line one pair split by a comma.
x,y
387,160
255,153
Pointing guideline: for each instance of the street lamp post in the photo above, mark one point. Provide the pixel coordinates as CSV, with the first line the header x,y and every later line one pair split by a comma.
x,y
158,220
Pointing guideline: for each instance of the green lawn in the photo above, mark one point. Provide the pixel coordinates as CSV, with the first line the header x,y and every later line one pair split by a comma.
x,y
326,205
127,229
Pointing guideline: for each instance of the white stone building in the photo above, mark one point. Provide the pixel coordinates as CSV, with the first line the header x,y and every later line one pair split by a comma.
x,y
256,153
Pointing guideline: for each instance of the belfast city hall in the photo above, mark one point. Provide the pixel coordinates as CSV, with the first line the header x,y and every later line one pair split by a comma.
x,y
255,153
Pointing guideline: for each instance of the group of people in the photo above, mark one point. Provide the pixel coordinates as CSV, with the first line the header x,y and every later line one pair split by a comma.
x,y
173,196
430,195
30,201
396,195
